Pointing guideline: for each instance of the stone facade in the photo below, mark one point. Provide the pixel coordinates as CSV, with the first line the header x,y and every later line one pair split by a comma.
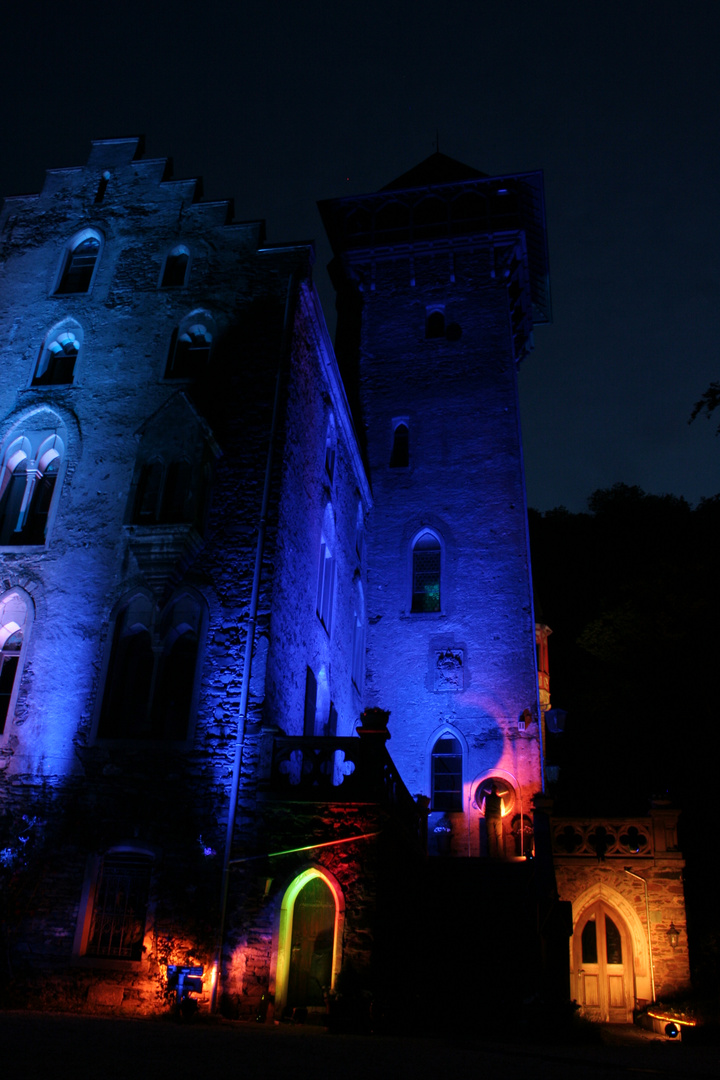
x,y
215,564
630,870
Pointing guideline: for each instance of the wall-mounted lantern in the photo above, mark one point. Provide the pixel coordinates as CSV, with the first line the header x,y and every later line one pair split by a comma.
x,y
673,936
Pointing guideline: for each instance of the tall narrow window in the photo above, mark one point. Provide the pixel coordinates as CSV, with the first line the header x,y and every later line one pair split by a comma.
x,y
119,911
175,269
360,534
147,498
310,703
400,456
79,264
358,639
15,618
447,774
326,586
426,559
358,652
330,449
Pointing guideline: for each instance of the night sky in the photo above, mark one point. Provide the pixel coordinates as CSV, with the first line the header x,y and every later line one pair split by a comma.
x,y
278,104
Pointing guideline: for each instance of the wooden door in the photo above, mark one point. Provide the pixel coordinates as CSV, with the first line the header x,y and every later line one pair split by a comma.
x,y
603,962
311,951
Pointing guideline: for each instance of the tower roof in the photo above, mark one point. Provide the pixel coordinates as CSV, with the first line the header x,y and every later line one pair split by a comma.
x,y
436,169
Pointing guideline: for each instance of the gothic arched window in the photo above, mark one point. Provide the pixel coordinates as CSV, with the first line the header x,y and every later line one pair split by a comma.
x,y
56,363
153,669
400,456
190,348
27,484
15,620
426,562
79,262
446,773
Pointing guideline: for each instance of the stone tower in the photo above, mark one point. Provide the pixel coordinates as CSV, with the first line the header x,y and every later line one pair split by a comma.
x,y
440,278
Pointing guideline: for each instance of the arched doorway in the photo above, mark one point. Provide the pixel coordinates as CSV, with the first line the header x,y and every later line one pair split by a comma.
x,y
603,960
311,949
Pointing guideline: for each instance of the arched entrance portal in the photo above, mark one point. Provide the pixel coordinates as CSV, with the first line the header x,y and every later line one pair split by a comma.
x,y
311,950
603,960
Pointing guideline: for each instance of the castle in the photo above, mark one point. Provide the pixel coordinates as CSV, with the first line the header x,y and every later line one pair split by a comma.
x,y
227,556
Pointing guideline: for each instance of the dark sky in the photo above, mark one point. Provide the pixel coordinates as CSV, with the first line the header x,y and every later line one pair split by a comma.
x,y
278,104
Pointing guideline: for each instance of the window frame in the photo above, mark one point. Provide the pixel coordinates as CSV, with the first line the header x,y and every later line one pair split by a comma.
x,y
66,260
90,891
415,608
443,736
9,627
203,320
327,573
39,451
68,327
163,631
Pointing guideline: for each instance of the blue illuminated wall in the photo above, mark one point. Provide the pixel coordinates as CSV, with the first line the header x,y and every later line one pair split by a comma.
x,y
439,278
143,400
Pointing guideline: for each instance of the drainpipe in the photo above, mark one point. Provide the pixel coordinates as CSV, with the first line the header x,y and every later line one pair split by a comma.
x,y
647,917
249,642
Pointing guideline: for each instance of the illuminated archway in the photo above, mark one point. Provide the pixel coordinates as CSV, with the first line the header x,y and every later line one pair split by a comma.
x,y
289,982
602,902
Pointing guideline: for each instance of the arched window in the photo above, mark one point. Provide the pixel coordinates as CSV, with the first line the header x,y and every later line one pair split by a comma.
x,y
360,534
435,323
190,348
426,560
15,620
326,585
400,456
446,774
79,262
153,669
175,269
56,362
27,485
358,640
330,449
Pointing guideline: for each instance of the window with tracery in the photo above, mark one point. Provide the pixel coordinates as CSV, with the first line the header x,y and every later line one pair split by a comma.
x,y
56,363
190,350
153,670
15,620
30,469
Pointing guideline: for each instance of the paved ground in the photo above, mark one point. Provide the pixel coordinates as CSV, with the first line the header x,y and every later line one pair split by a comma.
x,y
68,1047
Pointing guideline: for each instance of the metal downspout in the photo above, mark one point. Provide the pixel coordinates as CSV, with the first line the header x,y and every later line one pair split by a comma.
x,y
647,919
249,643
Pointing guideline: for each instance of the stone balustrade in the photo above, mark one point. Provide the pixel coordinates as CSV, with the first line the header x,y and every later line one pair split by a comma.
x,y
603,838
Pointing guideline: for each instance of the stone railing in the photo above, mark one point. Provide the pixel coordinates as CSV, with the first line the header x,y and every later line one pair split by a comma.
x,y
336,770
603,838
